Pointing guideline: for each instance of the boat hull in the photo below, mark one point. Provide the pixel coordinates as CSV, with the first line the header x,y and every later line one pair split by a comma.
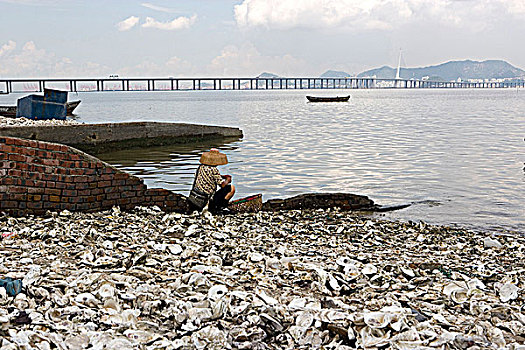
x,y
328,99
10,111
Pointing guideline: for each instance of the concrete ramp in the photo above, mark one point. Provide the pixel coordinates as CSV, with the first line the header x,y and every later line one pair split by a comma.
x,y
96,138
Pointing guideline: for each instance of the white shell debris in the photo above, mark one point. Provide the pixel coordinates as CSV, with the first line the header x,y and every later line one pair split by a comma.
x,y
286,280
7,121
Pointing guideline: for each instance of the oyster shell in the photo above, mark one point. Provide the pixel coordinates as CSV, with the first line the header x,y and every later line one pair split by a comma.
x,y
284,280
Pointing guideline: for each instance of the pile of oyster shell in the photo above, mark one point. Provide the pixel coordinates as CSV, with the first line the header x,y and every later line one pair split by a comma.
x,y
286,280
7,121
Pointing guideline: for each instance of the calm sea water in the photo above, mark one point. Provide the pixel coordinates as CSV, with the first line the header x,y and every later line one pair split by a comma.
x,y
457,155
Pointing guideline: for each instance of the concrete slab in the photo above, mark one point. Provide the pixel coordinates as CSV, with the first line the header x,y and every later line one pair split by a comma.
x,y
96,138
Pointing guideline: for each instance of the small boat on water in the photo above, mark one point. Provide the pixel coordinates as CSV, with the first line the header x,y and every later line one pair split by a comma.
x,y
328,99
10,111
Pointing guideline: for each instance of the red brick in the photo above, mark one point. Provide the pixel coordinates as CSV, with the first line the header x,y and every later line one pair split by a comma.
x,y
17,189
110,189
14,172
69,193
28,151
17,158
27,182
42,154
50,177
73,157
9,204
76,171
19,196
109,203
124,201
84,192
104,183
81,186
80,179
52,146
7,181
34,205
61,185
35,190
121,176
95,205
50,162
118,183
113,195
83,206
7,149
49,170
53,191
127,194
106,177
51,205
67,178
76,199
34,144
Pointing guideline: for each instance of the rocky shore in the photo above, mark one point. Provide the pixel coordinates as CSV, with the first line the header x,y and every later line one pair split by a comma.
x,y
285,280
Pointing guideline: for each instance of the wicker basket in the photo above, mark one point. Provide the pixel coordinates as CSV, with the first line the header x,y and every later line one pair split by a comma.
x,y
249,204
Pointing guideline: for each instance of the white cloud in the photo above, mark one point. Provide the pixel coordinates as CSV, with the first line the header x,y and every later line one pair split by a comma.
x,y
172,67
516,7
248,61
6,48
30,61
359,15
128,23
178,23
158,8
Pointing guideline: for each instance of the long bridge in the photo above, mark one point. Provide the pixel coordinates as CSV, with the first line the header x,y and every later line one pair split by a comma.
x,y
183,84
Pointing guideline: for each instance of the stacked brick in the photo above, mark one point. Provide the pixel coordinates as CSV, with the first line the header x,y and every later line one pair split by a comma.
x,y
39,176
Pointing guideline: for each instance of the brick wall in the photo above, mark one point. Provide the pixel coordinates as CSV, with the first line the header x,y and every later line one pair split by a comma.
x,y
38,176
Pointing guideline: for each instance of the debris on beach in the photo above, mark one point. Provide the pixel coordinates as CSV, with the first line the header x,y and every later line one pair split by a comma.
x,y
6,121
285,280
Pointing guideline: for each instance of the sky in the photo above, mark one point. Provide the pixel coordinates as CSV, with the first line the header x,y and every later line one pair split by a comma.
x,y
243,38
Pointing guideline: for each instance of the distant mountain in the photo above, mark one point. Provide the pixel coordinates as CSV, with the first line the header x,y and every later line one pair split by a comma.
x,y
334,74
267,75
491,69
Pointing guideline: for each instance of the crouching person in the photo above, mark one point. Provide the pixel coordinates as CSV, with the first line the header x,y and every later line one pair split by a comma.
x,y
209,186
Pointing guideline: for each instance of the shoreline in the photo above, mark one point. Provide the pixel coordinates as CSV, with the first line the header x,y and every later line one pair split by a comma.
x,y
281,280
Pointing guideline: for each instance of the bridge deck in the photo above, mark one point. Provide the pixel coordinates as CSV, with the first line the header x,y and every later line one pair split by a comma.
x,y
183,84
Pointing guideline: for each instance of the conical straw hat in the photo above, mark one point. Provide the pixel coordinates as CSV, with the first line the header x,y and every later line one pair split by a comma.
x,y
214,158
